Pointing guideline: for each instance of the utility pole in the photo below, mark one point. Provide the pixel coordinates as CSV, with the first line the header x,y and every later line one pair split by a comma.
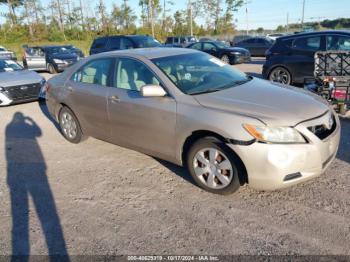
x,y
287,22
150,4
302,15
191,18
82,15
246,16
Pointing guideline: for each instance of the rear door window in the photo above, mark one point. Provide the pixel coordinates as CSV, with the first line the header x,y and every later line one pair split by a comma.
x,y
308,43
337,42
126,43
169,40
96,72
114,43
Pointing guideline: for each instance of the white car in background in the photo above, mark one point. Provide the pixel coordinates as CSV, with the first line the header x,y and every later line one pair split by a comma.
x,y
7,54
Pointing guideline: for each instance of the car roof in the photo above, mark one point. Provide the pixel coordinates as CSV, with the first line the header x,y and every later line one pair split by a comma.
x,y
315,33
151,53
111,36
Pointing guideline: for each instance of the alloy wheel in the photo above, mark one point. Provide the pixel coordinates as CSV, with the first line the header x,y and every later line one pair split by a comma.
x,y
280,75
213,168
68,125
225,59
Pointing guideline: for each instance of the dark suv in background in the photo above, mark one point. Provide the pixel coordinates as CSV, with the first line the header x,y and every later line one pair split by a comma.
x,y
121,42
291,59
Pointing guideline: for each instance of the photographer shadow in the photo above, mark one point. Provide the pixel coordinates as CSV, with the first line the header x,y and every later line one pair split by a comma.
x,y
26,178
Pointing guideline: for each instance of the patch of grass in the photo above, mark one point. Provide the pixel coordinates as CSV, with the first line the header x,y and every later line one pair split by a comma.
x,y
84,45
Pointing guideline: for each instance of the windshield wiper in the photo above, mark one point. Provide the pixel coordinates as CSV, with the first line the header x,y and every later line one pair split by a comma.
x,y
207,91
236,83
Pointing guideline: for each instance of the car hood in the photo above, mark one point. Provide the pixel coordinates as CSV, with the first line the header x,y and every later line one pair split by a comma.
x,y
64,56
273,104
22,77
236,49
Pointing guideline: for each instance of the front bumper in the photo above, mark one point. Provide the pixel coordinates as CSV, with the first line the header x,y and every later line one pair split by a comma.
x,y
239,59
273,166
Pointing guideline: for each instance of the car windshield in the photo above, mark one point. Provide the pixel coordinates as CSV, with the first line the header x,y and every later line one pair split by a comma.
x,y
199,73
146,41
2,49
9,66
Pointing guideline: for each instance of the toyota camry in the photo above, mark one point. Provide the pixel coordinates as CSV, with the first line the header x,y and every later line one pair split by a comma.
x,y
192,109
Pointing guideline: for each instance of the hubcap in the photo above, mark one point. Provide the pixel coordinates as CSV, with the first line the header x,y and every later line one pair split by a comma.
x,y
280,76
225,59
69,126
213,168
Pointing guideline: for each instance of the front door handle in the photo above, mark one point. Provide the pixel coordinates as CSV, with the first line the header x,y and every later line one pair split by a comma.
x,y
69,88
115,99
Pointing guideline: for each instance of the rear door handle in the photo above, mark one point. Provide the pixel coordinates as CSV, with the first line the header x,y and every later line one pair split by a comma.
x,y
115,99
69,88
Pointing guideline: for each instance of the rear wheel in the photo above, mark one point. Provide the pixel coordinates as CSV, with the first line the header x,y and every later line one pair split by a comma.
x,y
213,166
280,75
51,69
70,126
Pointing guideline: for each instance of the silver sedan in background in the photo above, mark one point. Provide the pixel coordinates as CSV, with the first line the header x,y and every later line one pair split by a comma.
x,y
192,109
18,85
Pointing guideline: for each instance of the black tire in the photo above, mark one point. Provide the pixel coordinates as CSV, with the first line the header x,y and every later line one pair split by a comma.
x,y
281,75
52,69
211,142
69,133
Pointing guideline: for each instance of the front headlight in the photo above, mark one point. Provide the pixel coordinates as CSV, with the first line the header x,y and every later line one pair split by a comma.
x,y
59,61
278,135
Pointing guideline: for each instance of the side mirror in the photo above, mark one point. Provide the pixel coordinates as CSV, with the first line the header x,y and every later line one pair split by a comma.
x,y
152,91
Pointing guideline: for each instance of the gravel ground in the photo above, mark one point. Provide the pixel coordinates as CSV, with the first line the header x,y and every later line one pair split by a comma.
x,y
97,198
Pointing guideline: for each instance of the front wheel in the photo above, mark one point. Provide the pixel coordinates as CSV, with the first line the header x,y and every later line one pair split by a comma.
x,y
213,166
280,75
51,69
70,126
225,59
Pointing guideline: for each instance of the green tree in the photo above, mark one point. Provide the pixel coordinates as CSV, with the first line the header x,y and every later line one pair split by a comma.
x,y
12,5
260,30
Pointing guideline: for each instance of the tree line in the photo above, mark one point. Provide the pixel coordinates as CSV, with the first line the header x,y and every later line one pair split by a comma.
x,y
60,20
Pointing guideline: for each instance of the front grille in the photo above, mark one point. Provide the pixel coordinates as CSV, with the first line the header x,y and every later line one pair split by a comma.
x,y
321,131
24,92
